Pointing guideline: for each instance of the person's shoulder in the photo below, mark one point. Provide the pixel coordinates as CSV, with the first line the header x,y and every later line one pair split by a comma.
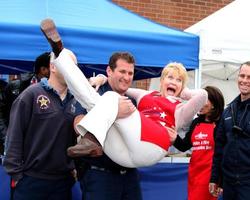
x,y
104,88
34,87
31,90
13,84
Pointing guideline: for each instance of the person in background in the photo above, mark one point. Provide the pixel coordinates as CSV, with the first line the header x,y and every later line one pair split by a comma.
x,y
200,138
231,160
15,87
2,119
39,132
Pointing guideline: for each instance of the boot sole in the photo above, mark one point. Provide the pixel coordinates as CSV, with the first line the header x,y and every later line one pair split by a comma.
x,y
49,30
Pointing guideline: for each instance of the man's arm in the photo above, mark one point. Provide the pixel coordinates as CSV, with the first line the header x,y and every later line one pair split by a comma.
x,y
13,159
215,188
220,142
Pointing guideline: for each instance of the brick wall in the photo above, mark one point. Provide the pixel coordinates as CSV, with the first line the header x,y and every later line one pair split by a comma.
x,y
173,13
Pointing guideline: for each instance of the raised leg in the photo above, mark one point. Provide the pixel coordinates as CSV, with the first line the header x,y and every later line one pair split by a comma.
x,y
77,83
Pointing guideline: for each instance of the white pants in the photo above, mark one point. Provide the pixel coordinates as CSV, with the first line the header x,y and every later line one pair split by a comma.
x,y
121,139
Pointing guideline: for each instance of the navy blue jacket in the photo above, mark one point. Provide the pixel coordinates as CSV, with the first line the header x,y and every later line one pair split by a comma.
x,y
39,133
232,145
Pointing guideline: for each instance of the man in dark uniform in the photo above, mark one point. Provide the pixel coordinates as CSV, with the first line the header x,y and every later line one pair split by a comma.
x,y
39,133
15,87
103,179
231,161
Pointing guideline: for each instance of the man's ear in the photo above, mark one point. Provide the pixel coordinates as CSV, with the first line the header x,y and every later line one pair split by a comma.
x,y
109,71
52,67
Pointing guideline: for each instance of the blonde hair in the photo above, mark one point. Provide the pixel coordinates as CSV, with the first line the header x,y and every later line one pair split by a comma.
x,y
178,68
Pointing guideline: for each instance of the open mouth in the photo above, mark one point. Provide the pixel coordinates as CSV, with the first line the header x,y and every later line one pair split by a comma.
x,y
171,91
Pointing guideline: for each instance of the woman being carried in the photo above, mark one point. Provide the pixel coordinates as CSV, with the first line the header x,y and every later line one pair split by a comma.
x,y
142,139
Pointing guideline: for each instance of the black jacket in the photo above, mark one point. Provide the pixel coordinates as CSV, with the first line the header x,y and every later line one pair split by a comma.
x,y
39,133
232,145
3,127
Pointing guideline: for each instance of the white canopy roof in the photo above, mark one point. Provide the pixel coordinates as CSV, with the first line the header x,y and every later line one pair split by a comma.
x,y
224,45
225,35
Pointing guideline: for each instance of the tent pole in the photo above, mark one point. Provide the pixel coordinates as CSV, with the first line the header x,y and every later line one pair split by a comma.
x,y
197,73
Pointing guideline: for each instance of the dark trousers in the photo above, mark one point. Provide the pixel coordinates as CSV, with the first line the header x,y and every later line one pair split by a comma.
x,y
239,190
30,188
107,185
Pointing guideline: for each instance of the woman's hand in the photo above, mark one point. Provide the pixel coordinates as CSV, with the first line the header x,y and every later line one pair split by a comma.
x,y
98,81
172,134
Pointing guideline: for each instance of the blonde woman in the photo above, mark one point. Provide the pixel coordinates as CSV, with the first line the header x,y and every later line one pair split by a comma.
x,y
141,139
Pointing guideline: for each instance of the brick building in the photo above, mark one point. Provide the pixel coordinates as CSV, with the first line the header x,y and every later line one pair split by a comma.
x,y
173,13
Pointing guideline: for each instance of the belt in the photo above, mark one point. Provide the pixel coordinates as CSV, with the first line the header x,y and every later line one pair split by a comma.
x,y
121,171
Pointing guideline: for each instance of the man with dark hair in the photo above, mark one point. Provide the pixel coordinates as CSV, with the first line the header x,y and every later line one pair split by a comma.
x,y
231,160
41,67
104,179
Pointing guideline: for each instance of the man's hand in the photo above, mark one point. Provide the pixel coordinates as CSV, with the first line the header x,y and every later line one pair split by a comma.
x,y
125,107
74,174
215,190
172,134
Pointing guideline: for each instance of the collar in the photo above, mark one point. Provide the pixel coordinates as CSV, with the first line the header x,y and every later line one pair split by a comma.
x,y
238,101
45,84
106,87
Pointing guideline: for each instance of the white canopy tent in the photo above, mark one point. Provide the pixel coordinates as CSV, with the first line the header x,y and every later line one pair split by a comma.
x,y
224,45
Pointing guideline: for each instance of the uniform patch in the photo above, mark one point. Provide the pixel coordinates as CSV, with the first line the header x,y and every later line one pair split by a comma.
x,y
73,108
43,102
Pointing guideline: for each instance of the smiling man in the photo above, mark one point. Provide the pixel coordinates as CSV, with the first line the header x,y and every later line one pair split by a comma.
x,y
232,144
103,178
